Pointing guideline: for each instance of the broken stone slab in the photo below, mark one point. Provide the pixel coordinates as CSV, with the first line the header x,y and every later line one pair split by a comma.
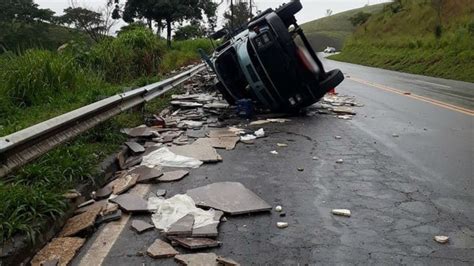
x,y
62,249
226,262
221,132
114,216
141,131
196,243
345,117
173,176
72,194
201,152
164,157
182,227
161,192
193,133
282,145
186,104
216,105
53,262
160,249
140,226
132,161
101,204
120,185
183,140
84,204
103,193
131,203
146,174
227,143
80,222
197,259
341,212
230,197
192,124
135,147
209,230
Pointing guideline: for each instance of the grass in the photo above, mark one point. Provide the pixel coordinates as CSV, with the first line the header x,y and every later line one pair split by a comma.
x,y
335,29
406,41
36,85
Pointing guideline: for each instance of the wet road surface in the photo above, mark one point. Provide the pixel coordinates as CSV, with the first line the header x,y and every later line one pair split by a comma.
x,y
402,190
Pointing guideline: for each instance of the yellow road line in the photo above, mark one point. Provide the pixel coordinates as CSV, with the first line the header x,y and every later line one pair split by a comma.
x,y
416,97
109,234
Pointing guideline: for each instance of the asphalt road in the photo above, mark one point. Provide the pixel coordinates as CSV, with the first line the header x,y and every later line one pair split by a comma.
x,y
402,190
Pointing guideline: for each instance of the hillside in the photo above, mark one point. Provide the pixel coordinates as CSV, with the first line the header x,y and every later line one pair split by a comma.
x,y
412,36
334,30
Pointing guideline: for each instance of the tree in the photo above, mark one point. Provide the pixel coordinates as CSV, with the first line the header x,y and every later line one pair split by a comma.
x,y
239,15
25,11
168,12
359,18
192,31
87,20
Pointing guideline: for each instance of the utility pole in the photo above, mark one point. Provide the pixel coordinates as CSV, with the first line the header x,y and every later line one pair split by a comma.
x,y
250,8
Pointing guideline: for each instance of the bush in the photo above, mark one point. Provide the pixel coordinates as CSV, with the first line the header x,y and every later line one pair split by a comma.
x,y
38,76
134,53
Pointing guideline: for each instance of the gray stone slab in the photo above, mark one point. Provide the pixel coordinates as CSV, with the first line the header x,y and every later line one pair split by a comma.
x,y
230,197
201,152
135,147
183,226
103,192
197,259
114,216
161,249
140,226
161,192
227,143
221,132
193,133
131,203
146,174
141,131
173,176
196,243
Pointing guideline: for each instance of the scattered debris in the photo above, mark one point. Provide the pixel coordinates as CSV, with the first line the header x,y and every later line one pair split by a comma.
x,y
103,192
278,208
62,249
173,176
282,145
441,239
114,216
222,132
131,203
187,104
300,169
196,243
269,120
161,192
230,197
343,110
160,249
345,117
341,212
209,230
197,259
283,214
140,226
274,152
192,124
135,147
395,135
164,157
337,137
184,226
315,158
248,139
141,131
282,225
339,161
80,222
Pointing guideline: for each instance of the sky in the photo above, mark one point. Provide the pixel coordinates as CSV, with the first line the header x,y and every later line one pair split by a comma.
x,y
312,9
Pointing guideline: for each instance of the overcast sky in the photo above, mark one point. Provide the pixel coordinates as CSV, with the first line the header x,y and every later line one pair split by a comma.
x,y
312,9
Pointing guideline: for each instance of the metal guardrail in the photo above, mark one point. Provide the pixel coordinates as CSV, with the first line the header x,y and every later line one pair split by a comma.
x,y
25,145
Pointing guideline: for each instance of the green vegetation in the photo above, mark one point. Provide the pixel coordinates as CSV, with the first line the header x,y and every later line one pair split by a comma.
x,y
433,38
36,85
334,29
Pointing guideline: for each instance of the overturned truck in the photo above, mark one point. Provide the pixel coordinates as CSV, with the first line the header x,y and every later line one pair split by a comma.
x,y
261,61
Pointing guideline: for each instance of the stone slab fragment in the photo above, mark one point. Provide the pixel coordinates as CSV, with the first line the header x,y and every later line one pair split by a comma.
x,y
161,249
196,243
146,174
197,259
183,226
131,203
62,249
204,153
80,222
135,147
173,176
140,226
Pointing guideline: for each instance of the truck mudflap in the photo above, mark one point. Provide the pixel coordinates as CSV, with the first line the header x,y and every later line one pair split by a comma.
x,y
334,78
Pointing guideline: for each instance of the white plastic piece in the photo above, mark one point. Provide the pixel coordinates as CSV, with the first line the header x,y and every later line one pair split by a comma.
x,y
274,152
342,212
340,161
441,239
169,211
278,208
248,137
164,157
282,145
260,133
